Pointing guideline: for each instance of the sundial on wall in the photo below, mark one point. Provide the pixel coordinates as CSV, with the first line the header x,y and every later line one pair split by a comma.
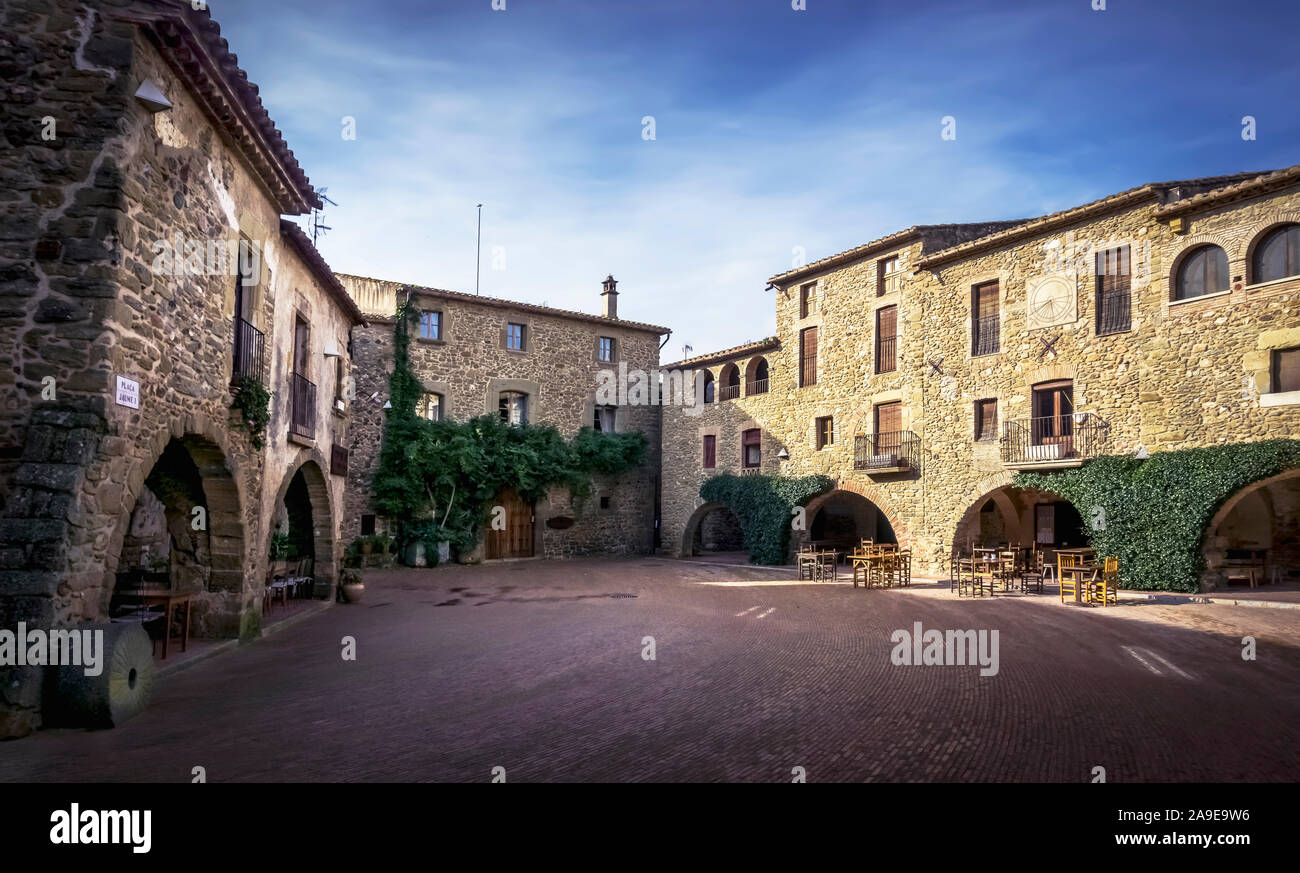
x,y
1051,300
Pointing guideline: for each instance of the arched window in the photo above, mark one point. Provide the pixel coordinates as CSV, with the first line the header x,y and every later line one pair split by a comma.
x,y
1203,271
758,377
730,382
708,386
1278,255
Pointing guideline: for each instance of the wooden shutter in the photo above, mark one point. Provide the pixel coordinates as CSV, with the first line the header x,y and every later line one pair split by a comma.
x,y
1286,370
710,451
338,461
986,419
808,357
986,299
889,417
886,339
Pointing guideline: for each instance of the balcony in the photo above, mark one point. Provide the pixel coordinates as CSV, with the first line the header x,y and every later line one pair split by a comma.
x,y
1053,442
892,452
758,386
302,403
249,343
729,392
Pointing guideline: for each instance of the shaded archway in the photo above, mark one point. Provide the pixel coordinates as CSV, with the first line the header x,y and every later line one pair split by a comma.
x,y
1011,516
889,522
843,518
1257,528
185,534
303,511
756,376
714,530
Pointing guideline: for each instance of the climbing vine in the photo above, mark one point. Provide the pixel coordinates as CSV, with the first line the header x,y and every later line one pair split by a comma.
x,y
1153,514
438,479
764,507
254,404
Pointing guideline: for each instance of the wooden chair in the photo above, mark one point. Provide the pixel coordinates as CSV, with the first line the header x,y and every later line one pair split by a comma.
x,y
807,560
303,577
827,562
1070,584
1104,585
1032,576
1007,569
904,570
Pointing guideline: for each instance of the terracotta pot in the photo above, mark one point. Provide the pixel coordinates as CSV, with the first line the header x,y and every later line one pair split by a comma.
x,y
352,591
367,548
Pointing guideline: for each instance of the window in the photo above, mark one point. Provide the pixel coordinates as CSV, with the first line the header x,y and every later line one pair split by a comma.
x,y
338,461
985,336
431,325
808,300
889,425
249,341
751,448
513,406
825,432
708,385
758,379
807,357
604,501
710,451
367,525
986,419
1204,271
515,337
886,339
1278,255
605,349
430,406
302,391
1285,375
889,277
604,419
1114,277
1053,407
338,382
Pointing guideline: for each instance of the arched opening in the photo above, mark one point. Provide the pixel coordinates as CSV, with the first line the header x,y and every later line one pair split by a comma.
x,y
1201,271
1254,538
1010,516
180,570
1276,255
843,519
730,378
756,376
302,533
714,531
708,386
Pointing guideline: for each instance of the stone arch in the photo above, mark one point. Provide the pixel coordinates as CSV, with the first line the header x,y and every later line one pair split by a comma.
x,y
1213,546
221,482
873,494
752,373
1264,228
687,544
1190,245
1050,373
991,488
313,466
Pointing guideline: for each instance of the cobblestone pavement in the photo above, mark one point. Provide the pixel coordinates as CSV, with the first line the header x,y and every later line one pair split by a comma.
x,y
537,667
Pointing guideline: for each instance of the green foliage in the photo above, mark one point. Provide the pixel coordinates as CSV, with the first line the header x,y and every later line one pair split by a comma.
x,y
438,479
1154,513
764,507
254,404
279,546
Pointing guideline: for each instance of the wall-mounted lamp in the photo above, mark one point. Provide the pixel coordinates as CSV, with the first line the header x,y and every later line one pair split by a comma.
x,y
783,454
1141,454
388,404
152,98
331,349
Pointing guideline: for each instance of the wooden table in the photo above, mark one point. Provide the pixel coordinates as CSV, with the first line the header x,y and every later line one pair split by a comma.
x,y
1084,573
170,601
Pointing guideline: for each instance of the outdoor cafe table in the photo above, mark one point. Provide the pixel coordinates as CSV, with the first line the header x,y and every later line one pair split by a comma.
x,y
170,601
862,561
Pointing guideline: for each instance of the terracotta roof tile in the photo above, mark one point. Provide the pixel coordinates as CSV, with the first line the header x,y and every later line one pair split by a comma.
x,y
745,349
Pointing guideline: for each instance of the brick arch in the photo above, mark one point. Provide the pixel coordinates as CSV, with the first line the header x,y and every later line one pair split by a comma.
x,y
1213,551
313,466
875,495
1191,244
1050,373
221,481
1263,229
751,371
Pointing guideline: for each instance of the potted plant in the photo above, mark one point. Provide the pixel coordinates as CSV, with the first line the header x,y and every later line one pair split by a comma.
x,y
367,546
350,586
279,553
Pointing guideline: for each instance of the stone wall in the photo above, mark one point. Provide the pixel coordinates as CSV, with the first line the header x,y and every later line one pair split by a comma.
x,y
1185,374
470,365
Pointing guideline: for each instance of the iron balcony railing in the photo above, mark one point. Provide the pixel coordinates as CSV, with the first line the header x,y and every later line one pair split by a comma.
x,y
302,394
986,338
1113,312
886,346
758,386
729,392
249,343
887,451
1051,438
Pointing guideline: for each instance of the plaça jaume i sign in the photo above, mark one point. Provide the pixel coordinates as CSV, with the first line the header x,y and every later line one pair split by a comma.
x,y
128,392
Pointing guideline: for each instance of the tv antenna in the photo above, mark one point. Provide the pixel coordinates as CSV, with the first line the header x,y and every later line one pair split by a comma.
x,y
317,226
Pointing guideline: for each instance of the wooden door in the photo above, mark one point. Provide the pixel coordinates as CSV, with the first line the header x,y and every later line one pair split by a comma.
x,y
889,424
1054,414
515,540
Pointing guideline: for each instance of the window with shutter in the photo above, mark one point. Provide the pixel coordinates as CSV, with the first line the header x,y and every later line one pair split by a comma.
x,y
1204,271
888,276
889,426
751,444
986,419
808,300
1278,255
825,432
985,331
886,339
338,461
710,451
807,357
1286,370
1114,301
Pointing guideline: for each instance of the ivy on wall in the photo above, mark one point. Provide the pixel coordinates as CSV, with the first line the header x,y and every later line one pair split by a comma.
x,y
253,401
1153,514
764,507
438,479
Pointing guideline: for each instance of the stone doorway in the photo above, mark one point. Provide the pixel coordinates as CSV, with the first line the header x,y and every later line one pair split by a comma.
x,y
843,519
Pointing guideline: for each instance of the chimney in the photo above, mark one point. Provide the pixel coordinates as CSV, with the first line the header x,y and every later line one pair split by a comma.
x,y
609,298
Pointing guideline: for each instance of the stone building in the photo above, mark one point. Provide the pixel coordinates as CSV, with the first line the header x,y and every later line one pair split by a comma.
x,y
479,355
145,269
924,369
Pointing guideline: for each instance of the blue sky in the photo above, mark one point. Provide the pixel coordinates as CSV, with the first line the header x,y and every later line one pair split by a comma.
x,y
774,129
